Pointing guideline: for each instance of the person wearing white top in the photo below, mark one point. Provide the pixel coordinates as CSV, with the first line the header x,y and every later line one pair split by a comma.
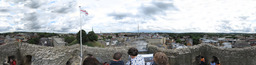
x,y
135,58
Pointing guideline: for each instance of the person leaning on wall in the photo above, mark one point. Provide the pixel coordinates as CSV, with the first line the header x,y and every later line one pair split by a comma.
x,y
135,58
160,58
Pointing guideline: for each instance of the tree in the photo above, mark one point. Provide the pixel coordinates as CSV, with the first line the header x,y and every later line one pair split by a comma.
x,y
104,37
92,36
34,40
178,41
195,40
117,35
109,37
47,34
84,37
69,39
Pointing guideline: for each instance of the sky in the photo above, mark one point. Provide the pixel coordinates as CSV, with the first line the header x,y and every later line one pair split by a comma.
x,y
110,16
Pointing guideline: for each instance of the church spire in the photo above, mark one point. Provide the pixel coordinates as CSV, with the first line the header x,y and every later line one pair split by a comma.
x,y
92,28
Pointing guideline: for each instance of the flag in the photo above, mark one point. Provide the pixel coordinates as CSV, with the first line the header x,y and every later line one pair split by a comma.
x,y
84,11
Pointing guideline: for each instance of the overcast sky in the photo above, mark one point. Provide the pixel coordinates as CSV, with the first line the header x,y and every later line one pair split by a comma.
x,y
225,16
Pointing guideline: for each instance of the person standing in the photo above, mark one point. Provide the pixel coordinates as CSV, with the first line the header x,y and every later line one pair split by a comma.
x,y
135,58
90,60
12,62
218,63
212,63
117,59
202,61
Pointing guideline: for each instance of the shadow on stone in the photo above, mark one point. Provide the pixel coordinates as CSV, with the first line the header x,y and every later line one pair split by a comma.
x,y
69,62
28,60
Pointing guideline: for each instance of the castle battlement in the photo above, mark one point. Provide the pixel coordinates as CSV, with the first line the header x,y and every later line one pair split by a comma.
x,y
42,55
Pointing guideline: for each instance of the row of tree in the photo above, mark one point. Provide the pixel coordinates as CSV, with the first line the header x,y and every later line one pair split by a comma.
x,y
40,35
196,36
90,37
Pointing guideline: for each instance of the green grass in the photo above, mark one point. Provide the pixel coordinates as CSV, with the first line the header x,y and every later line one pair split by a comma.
x,y
72,43
94,44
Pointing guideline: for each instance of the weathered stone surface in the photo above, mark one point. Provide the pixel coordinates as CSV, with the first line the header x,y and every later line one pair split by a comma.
x,y
187,56
42,55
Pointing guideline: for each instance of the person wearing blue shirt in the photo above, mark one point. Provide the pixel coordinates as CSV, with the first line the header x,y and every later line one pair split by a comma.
x,y
212,63
117,59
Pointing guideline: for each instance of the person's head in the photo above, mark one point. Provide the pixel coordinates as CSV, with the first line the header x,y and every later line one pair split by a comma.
x,y
160,58
117,56
133,52
202,57
11,60
89,55
90,60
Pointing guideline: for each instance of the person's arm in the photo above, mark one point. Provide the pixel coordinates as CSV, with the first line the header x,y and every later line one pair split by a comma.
x,y
123,63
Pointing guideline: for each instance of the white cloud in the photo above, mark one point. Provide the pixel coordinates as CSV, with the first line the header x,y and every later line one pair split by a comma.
x,y
124,16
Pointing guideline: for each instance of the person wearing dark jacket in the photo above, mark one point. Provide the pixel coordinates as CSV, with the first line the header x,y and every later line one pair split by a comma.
x,y
117,59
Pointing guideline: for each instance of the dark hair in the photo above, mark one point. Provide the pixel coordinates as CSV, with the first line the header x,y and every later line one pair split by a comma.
x,y
133,51
117,56
202,57
91,60
161,58
89,54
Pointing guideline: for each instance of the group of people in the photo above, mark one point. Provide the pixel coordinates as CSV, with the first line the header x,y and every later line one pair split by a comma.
x,y
10,62
159,58
213,62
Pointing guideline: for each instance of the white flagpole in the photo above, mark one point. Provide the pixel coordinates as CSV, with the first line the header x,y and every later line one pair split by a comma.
x,y
81,58
138,28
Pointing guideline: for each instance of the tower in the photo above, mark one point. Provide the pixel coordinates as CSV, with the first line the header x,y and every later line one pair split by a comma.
x,y
92,28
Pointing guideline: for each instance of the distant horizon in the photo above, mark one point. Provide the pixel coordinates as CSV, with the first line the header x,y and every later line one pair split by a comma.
x,y
127,32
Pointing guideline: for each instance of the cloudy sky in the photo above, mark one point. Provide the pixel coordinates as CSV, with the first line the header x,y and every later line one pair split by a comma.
x,y
225,16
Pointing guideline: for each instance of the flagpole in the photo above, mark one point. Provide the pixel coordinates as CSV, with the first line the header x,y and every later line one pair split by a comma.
x,y
81,58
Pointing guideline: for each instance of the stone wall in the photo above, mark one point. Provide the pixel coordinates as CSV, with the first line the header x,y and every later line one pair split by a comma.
x,y
42,55
8,50
187,56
